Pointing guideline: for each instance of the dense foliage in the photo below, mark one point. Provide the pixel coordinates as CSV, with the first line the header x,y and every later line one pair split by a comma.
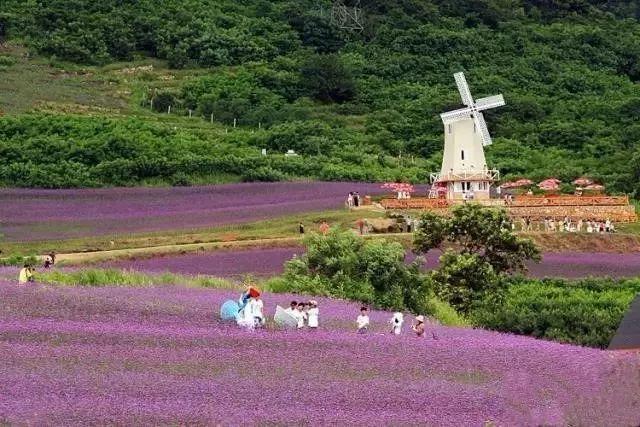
x,y
568,69
586,312
486,250
372,271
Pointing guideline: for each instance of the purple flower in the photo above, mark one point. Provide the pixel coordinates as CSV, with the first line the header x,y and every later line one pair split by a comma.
x,y
77,356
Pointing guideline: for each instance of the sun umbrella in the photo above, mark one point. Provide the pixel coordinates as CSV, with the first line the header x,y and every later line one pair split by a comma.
x,y
549,184
229,310
594,187
282,318
523,182
582,182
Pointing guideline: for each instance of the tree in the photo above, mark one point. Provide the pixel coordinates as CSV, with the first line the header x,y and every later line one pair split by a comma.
x,y
327,79
487,250
345,265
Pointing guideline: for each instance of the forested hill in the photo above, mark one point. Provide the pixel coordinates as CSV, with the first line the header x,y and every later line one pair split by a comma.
x,y
77,78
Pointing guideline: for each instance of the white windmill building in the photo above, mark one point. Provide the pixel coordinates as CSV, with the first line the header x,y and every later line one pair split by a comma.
x,y
464,170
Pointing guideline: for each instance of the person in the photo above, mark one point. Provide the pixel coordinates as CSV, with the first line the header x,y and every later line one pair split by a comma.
x,y
356,199
313,314
360,224
292,308
418,328
300,315
546,224
363,320
47,262
25,275
579,226
250,313
589,227
301,227
350,200
529,192
52,255
607,225
324,228
396,323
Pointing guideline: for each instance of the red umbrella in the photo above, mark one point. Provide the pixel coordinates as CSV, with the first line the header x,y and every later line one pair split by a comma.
x,y
582,182
549,184
594,187
523,182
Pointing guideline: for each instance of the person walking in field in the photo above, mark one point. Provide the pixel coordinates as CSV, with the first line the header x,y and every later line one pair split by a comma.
x,y
419,328
360,223
312,315
301,228
324,228
362,320
396,323
350,201
25,275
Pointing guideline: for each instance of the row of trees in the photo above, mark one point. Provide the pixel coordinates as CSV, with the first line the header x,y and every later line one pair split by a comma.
x,y
567,69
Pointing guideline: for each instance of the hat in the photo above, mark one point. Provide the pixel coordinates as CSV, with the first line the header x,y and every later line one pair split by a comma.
x,y
254,292
313,302
420,319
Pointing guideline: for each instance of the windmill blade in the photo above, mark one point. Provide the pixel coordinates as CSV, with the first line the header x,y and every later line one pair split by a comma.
x,y
490,102
481,127
463,88
455,115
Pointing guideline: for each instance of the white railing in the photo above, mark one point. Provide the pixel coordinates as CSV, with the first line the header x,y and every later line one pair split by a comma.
x,y
487,174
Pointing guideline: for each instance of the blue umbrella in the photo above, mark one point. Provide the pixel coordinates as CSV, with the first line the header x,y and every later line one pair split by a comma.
x,y
229,310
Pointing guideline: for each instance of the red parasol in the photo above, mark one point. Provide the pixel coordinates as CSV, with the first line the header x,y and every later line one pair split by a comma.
x,y
594,187
523,182
551,184
582,182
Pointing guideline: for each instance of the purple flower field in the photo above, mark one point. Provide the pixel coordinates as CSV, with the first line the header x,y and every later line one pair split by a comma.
x,y
28,215
124,356
269,261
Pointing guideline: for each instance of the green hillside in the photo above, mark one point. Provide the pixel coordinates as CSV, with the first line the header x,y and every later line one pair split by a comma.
x,y
85,89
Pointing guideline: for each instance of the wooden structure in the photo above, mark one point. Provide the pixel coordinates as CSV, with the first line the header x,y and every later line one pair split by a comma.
x,y
627,336
600,208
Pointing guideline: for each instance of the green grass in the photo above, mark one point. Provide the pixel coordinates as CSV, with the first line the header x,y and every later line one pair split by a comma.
x,y
129,278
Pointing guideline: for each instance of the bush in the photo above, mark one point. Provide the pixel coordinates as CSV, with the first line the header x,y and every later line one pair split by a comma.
x,y
347,266
586,312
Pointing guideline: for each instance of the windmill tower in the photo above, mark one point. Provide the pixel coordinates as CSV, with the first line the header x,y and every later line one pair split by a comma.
x,y
464,170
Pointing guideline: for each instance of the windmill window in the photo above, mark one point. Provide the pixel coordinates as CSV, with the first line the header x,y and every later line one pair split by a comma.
x,y
462,154
474,127
449,128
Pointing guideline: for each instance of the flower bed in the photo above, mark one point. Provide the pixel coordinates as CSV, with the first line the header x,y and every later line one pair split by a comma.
x,y
72,356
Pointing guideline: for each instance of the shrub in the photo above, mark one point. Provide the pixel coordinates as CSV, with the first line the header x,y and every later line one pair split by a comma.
x,y
586,312
347,266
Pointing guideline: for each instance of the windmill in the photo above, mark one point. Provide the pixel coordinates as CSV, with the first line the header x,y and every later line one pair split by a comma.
x,y
464,168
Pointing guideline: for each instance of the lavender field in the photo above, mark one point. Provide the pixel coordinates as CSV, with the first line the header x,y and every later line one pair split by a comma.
x,y
269,261
124,356
28,215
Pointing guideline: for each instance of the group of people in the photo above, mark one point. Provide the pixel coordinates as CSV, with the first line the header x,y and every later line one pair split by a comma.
x,y
551,224
353,200
397,320
306,313
28,271
250,315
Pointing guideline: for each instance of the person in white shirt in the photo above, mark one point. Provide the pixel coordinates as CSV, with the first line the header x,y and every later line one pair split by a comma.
x,y
363,320
300,315
396,323
312,315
